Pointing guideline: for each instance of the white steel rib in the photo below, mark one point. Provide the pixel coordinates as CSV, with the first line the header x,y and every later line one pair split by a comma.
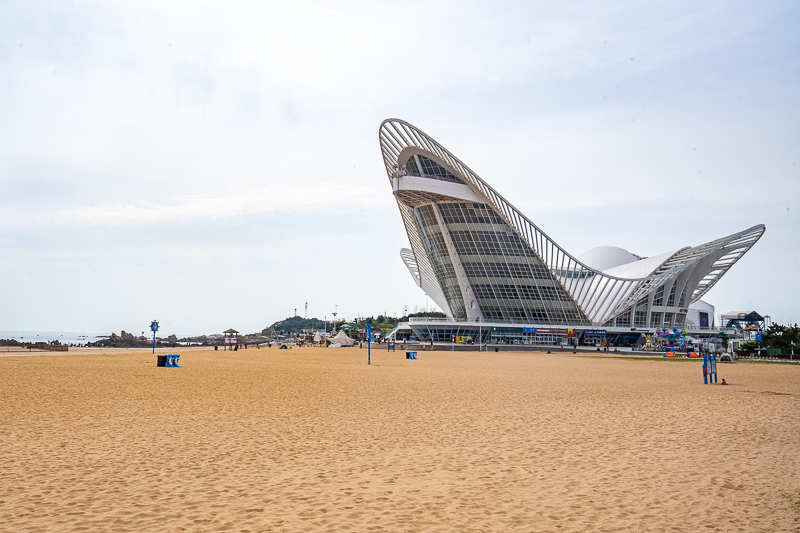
x,y
600,295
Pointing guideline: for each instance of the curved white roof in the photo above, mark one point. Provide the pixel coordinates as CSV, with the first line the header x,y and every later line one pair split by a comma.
x,y
603,283
641,268
605,257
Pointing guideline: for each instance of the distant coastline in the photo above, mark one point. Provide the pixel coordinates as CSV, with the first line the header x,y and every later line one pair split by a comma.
x,y
63,337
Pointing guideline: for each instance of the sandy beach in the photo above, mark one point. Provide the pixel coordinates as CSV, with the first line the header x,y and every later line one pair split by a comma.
x,y
316,440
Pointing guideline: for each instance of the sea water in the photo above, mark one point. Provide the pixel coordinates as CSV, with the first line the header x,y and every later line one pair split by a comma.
x,y
64,337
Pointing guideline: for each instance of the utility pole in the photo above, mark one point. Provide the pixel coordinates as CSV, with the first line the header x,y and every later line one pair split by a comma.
x,y
306,309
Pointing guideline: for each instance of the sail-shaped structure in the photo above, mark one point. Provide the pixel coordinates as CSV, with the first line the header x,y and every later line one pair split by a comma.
x,y
480,259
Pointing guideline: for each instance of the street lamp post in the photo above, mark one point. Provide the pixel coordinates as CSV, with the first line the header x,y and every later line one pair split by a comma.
x,y
154,327
369,343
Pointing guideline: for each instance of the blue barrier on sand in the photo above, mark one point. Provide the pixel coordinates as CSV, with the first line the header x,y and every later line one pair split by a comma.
x,y
172,360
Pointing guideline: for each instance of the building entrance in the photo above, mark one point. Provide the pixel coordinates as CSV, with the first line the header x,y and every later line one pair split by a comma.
x,y
512,337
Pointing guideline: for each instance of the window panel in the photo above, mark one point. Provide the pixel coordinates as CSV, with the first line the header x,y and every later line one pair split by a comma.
x,y
671,297
658,298
432,169
640,318
411,167
655,319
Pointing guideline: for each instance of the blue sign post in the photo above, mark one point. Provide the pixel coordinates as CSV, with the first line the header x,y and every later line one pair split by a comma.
x,y
712,360
154,327
713,364
369,343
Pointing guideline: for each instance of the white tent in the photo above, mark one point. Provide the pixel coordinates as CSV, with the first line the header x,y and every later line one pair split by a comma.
x,y
341,338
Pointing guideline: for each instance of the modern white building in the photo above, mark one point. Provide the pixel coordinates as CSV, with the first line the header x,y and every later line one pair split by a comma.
x,y
485,263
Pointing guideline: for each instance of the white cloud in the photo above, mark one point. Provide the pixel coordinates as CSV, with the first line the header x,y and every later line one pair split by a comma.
x,y
322,197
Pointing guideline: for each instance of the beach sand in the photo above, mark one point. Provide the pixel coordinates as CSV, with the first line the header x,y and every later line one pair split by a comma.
x,y
315,440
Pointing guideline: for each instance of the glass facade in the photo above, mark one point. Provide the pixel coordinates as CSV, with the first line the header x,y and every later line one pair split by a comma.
x,y
640,314
655,319
640,317
472,334
412,169
419,165
509,282
671,297
658,298
505,270
442,264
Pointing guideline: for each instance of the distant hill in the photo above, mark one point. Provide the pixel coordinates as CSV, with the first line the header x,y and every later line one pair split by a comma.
x,y
382,323
297,324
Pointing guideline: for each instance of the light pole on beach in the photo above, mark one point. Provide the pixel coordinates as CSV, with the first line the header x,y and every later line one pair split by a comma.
x,y
154,327
369,343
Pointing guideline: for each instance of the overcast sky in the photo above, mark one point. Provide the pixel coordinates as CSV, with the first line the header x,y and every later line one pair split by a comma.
x,y
217,165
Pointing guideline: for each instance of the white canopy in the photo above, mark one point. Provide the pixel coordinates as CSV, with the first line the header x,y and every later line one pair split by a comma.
x,y
341,338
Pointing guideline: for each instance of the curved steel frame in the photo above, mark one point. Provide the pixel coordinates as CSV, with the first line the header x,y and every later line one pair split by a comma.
x,y
599,295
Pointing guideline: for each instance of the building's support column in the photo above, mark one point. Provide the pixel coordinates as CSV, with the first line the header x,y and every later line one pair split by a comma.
x,y
470,302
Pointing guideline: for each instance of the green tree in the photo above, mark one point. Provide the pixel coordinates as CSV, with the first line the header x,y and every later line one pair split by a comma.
x,y
780,336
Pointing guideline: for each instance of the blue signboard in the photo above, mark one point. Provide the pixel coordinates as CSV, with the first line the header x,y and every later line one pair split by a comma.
x,y
528,330
758,337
